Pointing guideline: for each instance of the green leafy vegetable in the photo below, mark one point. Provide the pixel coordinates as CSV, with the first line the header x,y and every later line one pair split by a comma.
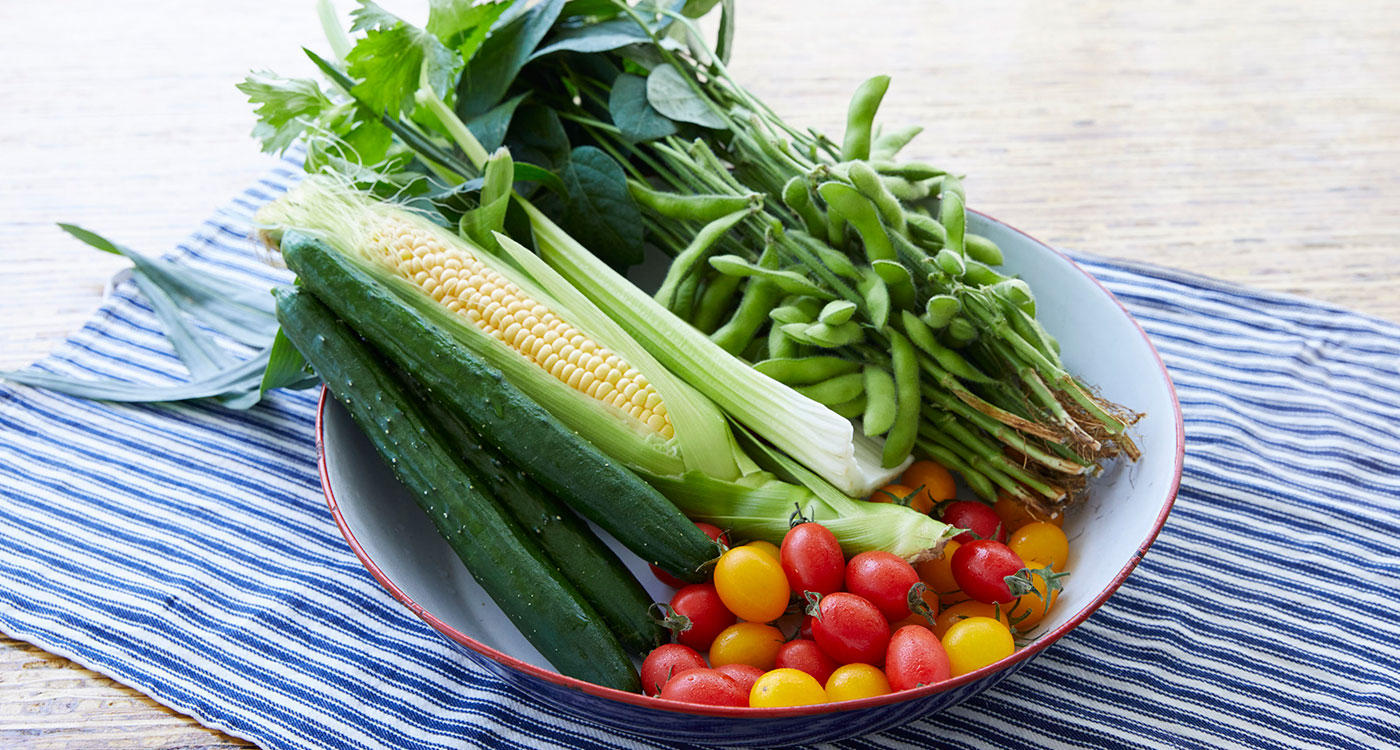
x,y
285,106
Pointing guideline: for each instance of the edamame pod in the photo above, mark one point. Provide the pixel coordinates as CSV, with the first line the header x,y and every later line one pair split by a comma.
x,y
979,274
806,370
850,409
940,309
950,262
684,266
835,390
797,197
860,116
927,231
846,202
823,335
781,345
890,143
878,416
952,213
788,281
910,170
949,360
714,301
980,248
751,313
900,282
865,180
837,312
906,190
701,207
904,362
876,297
961,331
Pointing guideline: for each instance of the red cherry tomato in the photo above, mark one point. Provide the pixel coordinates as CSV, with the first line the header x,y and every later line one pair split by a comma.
x,y
981,566
979,520
915,657
812,559
744,674
707,686
712,531
850,629
806,630
700,604
665,662
806,656
883,579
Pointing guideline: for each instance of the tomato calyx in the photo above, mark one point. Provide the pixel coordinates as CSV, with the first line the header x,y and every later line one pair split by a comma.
x,y
904,500
814,602
917,605
1022,582
797,519
667,617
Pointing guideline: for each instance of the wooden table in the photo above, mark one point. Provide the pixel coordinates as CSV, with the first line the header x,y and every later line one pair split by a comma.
x,y
1252,141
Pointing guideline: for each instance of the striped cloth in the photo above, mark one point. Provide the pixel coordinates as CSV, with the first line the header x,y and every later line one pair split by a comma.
x,y
186,550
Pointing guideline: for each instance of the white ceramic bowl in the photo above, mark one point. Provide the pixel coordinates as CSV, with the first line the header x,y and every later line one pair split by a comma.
x,y
1108,534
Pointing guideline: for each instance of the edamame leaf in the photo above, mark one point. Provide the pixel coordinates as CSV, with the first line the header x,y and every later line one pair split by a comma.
x,y
599,210
633,114
669,93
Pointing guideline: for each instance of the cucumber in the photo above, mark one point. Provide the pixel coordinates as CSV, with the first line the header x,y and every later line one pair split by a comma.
x,y
498,553
577,552
574,470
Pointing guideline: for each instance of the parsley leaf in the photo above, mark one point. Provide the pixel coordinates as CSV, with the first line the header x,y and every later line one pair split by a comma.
x,y
284,107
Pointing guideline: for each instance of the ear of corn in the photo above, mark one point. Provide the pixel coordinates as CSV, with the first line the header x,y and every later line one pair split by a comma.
x,y
567,355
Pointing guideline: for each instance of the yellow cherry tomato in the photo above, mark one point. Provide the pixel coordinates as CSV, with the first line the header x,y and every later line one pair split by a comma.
x,y
976,642
1030,609
1014,514
751,643
936,481
767,548
970,608
751,584
852,681
890,493
1040,540
937,574
786,687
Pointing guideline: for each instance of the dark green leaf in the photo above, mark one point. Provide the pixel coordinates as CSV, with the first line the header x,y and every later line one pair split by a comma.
x,y
491,71
537,136
284,107
285,365
669,93
633,114
490,126
241,313
598,37
600,210
462,25
697,8
525,172
595,9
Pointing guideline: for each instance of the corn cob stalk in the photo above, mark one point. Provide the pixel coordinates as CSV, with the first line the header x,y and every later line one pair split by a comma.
x,y
568,357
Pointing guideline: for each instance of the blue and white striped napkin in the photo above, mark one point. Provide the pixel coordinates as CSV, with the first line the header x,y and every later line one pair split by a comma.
x,y
185,550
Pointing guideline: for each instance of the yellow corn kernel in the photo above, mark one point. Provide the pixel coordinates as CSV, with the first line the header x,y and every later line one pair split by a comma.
x,y
494,304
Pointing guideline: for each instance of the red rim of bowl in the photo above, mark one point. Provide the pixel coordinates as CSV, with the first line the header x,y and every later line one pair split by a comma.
x,y
643,701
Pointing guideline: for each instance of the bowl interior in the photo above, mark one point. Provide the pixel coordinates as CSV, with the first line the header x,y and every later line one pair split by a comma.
x,y
1099,341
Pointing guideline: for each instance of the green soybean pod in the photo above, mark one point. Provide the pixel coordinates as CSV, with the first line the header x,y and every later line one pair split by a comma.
x,y
926,231
952,213
751,313
949,360
950,262
837,312
834,390
715,301
847,202
878,416
981,249
961,331
1018,293
979,274
865,180
805,370
860,117
908,191
702,207
876,297
833,259
899,281
910,170
684,265
788,281
889,143
904,362
940,309
850,409
781,345
797,197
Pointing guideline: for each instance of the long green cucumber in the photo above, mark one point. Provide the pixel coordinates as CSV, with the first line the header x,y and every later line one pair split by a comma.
x,y
498,553
577,552
574,470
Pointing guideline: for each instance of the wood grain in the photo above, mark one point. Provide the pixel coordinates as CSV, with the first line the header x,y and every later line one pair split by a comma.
x,y
1254,141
